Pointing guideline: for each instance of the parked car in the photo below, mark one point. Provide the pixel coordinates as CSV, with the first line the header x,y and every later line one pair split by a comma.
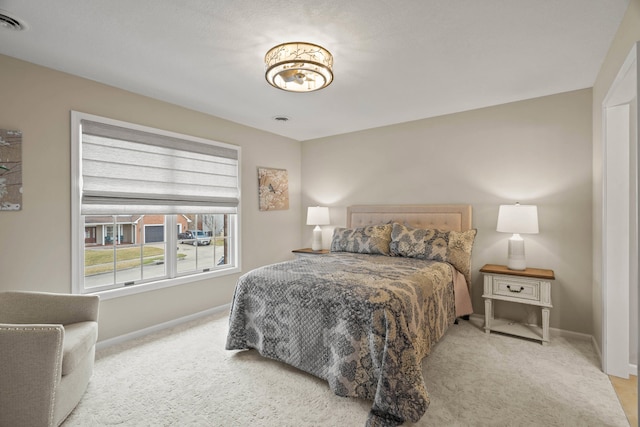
x,y
185,236
195,237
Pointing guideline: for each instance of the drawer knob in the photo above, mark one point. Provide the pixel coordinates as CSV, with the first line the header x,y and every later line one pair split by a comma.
x,y
517,291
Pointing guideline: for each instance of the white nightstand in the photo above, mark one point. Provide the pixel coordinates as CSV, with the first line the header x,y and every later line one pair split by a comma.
x,y
299,253
531,286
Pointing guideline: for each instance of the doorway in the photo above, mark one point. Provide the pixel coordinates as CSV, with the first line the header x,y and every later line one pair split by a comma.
x,y
620,220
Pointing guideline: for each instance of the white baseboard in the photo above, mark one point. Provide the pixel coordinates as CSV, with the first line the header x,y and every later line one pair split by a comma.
x,y
155,328
595,345
570,334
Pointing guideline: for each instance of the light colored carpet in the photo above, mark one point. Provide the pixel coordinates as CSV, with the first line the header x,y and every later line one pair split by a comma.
x,y
184,377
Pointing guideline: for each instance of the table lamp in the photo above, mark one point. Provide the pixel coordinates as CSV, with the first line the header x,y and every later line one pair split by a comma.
x,y
317,216
517,219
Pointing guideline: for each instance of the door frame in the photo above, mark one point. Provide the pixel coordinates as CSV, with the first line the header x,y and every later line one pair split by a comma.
x,y
619,216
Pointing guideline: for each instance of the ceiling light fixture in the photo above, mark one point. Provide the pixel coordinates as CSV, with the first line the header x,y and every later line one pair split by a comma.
x,y
299,67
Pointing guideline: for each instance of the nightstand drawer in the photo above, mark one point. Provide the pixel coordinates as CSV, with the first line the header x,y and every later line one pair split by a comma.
x,y
514,288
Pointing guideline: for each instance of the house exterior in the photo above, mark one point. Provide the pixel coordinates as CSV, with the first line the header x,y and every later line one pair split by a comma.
x,y
129,229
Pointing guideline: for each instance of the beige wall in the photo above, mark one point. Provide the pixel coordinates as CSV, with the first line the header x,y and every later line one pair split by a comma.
x,y
536,151
626,36
36,254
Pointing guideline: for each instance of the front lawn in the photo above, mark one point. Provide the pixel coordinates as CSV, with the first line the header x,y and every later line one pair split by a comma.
x,y
101,260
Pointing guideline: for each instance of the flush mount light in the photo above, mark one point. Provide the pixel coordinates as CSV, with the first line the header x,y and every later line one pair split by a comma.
x,y
299,67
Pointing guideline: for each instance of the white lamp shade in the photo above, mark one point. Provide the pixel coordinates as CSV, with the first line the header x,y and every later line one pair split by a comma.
x,y
317,215
518,219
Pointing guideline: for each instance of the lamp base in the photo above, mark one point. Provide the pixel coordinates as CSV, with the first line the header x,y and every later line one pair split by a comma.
x,y
316,245
516,259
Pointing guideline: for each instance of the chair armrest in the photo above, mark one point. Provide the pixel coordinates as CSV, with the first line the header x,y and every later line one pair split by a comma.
x,y
30,371
47,308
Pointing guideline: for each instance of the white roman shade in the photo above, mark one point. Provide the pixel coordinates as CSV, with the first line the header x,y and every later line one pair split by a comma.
x,y
135,171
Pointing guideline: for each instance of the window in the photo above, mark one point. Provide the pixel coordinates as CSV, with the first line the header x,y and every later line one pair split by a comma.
x,y
150,208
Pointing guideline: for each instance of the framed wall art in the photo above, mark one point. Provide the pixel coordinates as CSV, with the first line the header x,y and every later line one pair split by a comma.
x,y
273,189
10,170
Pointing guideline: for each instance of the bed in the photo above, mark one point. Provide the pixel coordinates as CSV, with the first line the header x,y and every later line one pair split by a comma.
x,y
364,316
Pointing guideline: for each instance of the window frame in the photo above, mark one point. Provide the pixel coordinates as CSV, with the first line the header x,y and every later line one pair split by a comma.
x,y
171,239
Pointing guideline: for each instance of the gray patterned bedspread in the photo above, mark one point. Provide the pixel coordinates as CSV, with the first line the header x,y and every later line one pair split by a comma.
x,y
362,322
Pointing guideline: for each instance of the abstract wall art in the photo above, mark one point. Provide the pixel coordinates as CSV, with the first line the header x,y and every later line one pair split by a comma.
x,y
273,189
10,170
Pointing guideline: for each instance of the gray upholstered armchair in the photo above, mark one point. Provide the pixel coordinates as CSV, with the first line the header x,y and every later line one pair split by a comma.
x,y
47,351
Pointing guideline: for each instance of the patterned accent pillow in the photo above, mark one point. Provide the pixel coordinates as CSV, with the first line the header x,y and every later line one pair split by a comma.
x,y
373,239
453,247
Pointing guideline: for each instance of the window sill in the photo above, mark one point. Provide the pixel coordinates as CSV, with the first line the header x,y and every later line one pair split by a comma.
x,y
161,284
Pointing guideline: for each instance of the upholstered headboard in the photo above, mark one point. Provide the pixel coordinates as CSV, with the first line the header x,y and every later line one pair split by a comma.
x,y
442,217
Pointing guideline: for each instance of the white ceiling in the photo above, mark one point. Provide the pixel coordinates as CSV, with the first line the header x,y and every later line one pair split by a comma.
x,y
394,60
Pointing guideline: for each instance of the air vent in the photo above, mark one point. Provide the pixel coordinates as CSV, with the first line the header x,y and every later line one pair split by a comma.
x,y
10,22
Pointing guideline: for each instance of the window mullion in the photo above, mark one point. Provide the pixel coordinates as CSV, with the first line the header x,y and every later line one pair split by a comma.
x,y
115,253
171,242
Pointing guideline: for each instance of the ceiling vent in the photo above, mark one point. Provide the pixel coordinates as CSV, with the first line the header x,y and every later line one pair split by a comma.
x,y
11,22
